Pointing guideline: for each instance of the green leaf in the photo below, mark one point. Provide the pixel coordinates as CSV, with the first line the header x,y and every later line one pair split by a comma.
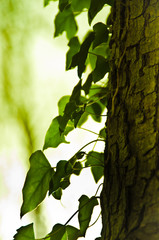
x,y
101,34
72,233
74,48
87,85
63,4
77,168
54,136
96,6
78,6
86,206
102,133
65,21
79,59
37,182
59,174
95,110
80,155
77,116
101,50
57,232
25,233
102,67
76,93
96,161
62,104
62,232
57,194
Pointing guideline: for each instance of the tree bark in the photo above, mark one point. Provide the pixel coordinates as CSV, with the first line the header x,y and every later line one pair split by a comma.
x,y
130,196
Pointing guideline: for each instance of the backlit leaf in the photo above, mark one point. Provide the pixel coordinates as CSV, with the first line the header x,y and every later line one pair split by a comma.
x,y
101,34
96,161
95,110
102,67
37,182
86,206
57,194
72,233
79,59
102,133
62,232
65,21
63,4
77,168
96,6
25,233
87,84
57,232
78,6
62,104
74,48
54,136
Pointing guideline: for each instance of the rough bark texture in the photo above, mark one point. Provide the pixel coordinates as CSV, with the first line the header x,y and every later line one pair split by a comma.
x,y
130,197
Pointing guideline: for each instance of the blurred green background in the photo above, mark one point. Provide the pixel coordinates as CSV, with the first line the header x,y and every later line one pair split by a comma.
x,y
32,80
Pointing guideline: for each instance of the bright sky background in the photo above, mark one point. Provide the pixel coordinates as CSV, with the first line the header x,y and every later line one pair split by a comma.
x,y
51,82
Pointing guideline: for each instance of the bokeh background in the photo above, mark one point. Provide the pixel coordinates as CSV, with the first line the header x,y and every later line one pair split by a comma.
x,y
32,80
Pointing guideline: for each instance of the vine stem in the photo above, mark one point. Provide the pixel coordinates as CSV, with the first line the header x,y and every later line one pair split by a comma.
x,y
96,140
88,130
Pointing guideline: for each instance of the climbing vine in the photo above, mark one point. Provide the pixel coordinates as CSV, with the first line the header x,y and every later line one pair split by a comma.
x,y
88,98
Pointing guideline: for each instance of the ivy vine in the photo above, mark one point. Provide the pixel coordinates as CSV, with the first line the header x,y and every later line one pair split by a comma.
x,y
88,98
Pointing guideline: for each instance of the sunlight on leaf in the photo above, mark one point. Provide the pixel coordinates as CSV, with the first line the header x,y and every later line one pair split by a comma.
x,y
96,161
37,182
54,136
65,21
74,48
25,233
78,6
86,206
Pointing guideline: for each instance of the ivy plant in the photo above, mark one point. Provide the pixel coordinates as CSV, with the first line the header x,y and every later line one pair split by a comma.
x,y
88,98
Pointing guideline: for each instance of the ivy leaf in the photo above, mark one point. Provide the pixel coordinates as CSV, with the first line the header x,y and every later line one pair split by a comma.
x,y
76,93
102,67
62,104
96,161
58,175
96,6
72,233
79,58
78,6
86,206
54,136
62,232
95,110
74,48
101,34
65,21
57,232
25,233
57,194
102,133
87,85
37,182
63,4
77,168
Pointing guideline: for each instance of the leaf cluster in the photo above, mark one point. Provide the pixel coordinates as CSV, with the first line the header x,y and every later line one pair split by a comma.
x,y
88,98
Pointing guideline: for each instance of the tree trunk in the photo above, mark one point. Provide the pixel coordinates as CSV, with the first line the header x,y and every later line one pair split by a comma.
x,y
130,196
